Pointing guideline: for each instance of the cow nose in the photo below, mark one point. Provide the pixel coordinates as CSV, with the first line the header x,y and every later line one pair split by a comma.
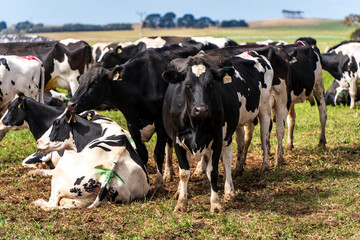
x,y
71,105
201,111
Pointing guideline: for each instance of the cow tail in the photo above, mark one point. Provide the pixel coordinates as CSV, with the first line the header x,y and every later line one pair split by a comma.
x,y
42,83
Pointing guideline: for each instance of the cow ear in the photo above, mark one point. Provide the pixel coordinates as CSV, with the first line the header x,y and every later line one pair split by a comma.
x,y
141,46
118,49
172,76
117,73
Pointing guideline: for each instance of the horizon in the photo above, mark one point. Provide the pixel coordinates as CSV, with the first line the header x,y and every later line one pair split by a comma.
x,y
96,12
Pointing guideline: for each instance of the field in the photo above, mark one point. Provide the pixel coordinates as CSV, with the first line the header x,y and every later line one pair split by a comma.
x,y
315,196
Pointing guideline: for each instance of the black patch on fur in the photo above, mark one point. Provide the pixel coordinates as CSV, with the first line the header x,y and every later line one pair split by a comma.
x,y
76,190
91,185
4,62
102,194
12,82
79,180
113,193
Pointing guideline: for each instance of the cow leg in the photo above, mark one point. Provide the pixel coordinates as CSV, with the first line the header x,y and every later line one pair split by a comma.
x,y
264,134
291,124
159,154
41,172
227,156
53,202
243,138
280,113
352,93
2,134
140,146
168,170
184,175
212,173
320,101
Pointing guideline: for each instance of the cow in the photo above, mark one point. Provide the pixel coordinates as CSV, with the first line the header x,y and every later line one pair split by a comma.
x,y
336,95
107,169
99,49
278,59
120,54
55,98
24,74
342,62
64,61
305,84
24,112
137,89
203,106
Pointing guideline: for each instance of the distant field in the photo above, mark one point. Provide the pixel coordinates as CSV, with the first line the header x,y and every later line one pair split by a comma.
x,y
327,32
315,196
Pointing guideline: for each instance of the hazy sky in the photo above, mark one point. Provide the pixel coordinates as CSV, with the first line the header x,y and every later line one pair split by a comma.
x,y
58,12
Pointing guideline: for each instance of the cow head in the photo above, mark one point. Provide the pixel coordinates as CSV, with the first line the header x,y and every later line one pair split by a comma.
x,y
120,55
94,88
14,117
198,77
59,136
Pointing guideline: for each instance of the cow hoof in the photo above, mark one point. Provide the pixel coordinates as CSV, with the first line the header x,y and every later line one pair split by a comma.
x,y
322,144
181,206
238,171
229,196
199,173
289,146
159,182
167,177
265,169
176,195
34,173
216,207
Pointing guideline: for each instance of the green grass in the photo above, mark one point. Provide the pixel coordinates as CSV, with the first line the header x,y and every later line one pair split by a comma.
x,y
314,196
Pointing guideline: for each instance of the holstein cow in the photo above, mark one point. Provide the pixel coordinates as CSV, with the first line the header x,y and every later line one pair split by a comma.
x,y
25,112
121,54
202,108
107,169
64,61
278,59
336,95
25,74
99,49
137,89
342,62
305,83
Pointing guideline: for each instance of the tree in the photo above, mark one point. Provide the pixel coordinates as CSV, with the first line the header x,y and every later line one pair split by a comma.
x,y
2,25
351,19
355,35
24,26
204,22
168,20
187,21
233,23
152,20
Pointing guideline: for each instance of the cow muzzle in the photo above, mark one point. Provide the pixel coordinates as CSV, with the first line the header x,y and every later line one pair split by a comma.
x,y
201,112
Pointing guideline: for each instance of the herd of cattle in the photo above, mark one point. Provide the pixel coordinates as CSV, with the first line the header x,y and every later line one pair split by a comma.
x,y
194,93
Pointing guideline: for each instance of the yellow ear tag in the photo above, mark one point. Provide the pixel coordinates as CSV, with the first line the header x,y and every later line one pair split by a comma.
x,y
88,116
119,50
116,77
227,79
71,119
21,105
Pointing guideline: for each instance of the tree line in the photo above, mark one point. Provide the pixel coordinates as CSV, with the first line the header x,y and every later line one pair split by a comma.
x,y
28,27
168,20
353,19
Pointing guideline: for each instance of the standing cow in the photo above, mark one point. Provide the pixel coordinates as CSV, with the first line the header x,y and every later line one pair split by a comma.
x,y
64,61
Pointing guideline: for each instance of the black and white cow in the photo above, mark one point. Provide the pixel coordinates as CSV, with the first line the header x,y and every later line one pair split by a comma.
x,y
24,74
64,61
107,169
203,107
336,95
342,62
137,89
121,54
278,59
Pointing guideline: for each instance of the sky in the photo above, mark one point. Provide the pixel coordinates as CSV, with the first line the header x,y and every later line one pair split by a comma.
x,y
50,12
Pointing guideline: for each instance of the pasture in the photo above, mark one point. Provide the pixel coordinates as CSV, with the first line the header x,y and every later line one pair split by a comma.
x,y
315,196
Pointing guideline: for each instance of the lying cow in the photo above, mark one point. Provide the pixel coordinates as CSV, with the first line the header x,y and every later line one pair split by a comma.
x,y
24,74
342,62
336,95
64,61
107,169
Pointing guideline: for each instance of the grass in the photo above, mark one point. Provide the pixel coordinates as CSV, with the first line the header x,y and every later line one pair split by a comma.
x,y
314,196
